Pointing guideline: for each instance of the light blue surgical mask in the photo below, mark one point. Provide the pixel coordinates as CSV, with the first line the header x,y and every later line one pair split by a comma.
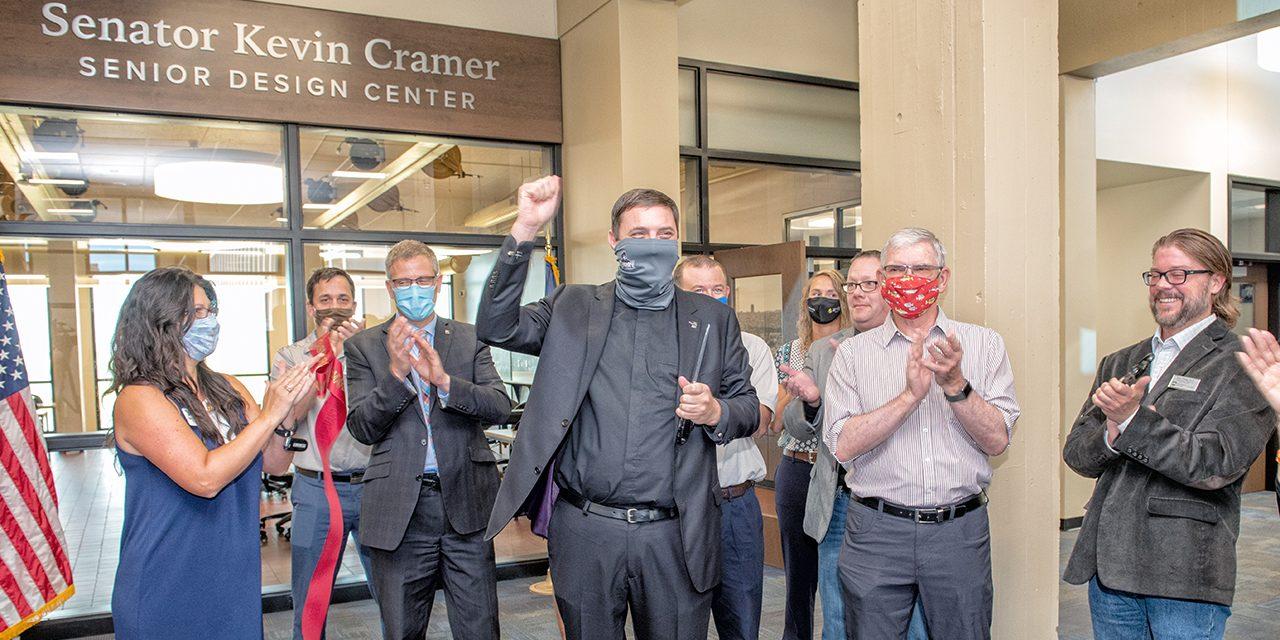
x,y
202,338
416,302
723,299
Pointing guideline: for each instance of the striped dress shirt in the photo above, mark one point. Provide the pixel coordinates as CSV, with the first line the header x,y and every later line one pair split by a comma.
x,y
930,460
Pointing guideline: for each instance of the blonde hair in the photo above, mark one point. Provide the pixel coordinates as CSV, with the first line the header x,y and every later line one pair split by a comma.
x,y
1209,251
406,249
804,325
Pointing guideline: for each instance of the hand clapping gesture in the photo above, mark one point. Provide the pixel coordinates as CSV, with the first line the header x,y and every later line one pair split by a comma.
x,y
1261,361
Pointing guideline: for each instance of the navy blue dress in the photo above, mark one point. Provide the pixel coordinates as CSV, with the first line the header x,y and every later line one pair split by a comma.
x,y
190,567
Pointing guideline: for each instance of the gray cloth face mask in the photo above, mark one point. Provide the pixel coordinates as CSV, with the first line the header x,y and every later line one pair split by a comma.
x,y
644,272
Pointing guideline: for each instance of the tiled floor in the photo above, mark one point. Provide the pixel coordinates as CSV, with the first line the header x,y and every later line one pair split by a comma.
x,y
91,506
92,494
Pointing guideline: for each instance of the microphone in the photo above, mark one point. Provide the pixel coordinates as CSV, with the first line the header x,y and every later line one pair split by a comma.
x,y
686,426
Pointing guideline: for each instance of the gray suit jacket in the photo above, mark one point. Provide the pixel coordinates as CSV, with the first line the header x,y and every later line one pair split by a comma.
x,y
1165,511
822,479
382,411
567,331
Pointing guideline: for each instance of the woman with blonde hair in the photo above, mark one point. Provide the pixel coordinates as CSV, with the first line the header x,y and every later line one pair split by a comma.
x,y
826,312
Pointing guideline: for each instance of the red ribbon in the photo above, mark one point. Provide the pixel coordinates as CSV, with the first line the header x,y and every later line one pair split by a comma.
x,y
329,423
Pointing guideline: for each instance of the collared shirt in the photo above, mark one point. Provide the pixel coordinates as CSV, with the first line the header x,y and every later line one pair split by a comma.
x,y
1165,352
347,455
740,460
423,389
930,460
621,448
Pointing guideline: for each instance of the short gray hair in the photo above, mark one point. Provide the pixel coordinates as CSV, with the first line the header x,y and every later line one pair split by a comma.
x,y
406,249
912,236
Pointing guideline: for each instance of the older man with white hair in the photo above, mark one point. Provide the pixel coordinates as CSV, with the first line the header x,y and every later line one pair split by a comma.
x,y
914,409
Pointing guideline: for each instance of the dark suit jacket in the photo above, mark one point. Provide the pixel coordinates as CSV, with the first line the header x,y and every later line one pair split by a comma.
x,y
382,411
1165,512
567,330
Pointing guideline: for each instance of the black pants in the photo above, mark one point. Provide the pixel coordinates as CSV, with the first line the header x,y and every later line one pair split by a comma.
x,y
799,551
601,567
431,555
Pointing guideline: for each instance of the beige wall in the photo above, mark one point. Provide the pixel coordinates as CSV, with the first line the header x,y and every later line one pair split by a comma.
x,y
813,37
621,123
525,17
960,134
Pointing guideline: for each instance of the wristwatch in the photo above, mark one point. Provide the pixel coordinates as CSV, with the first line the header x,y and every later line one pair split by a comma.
x,y
959,397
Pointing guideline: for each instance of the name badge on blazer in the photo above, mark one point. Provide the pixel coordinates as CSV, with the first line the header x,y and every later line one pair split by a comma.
x,y
1184,383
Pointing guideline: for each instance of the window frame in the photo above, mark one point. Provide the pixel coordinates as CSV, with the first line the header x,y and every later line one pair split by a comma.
x,y
704,155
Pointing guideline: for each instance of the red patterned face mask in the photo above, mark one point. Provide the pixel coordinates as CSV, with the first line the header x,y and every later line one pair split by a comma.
x,y
911,295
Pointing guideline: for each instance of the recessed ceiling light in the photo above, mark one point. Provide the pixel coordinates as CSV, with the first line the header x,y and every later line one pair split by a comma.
x,y
57,181
50,156
359,175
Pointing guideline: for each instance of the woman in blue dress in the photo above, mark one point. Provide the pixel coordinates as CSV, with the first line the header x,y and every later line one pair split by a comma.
x,y
192,443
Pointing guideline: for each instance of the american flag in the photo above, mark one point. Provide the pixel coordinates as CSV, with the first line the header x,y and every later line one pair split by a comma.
x,y
35,574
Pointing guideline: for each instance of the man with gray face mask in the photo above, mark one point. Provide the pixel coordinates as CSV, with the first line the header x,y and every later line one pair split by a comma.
x,y
615,458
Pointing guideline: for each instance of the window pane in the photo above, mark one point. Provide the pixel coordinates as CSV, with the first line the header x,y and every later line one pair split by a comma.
x,y
1248,219
68,294
690,200
774,116
465,270
763,204
688,108
387,182
70,166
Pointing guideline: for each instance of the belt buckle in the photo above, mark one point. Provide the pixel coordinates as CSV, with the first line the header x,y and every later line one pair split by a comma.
x,y
936,512
813,456
631,515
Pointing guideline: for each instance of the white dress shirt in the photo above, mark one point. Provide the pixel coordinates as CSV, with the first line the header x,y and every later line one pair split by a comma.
x,y
740,459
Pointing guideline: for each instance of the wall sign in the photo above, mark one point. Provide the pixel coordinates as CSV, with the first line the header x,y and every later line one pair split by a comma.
x,y
269,62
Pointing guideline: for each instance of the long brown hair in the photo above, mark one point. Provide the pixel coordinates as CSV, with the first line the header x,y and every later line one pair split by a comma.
x,y
804,325
1209,251
147,349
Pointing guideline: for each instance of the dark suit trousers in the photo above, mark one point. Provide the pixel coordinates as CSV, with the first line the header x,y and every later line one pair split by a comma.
x,y
736,602
799,551
602,567
432,555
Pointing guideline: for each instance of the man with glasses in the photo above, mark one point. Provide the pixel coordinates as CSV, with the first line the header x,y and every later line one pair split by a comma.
x,y
1169,430
331,305
913,410
421,390
737,600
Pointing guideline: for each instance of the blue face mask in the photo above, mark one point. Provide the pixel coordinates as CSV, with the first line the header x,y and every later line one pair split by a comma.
x,y
202,338
723,299
416,302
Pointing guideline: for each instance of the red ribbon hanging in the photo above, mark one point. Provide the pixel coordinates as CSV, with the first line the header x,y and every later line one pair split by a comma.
x,y
329,423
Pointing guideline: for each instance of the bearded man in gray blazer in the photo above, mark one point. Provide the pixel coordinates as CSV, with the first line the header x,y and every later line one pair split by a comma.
x,y
1170,450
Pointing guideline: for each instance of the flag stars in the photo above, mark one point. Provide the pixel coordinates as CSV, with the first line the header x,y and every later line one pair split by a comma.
x,y
8,325
4,354
5,340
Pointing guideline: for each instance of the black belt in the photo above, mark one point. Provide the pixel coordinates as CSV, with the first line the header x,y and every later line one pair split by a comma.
x,y
355,476
630,514
930,516
429,480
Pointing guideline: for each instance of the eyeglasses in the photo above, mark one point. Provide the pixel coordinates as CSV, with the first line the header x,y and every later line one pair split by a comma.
x,y
405,283
1172,276
926,271
204,312
715,292
867,286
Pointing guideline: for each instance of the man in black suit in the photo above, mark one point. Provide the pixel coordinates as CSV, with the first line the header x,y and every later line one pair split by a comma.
x,y
615,457
421,390
1170,451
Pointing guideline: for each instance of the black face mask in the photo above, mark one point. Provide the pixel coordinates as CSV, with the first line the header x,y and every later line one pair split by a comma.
x,y
823,310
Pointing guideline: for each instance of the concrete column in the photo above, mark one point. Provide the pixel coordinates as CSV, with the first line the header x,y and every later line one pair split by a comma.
x,y
960,135
66,328
621,123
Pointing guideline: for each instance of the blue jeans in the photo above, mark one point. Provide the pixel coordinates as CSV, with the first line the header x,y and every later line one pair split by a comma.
x,y
829,572
736,601
1118,615
310,525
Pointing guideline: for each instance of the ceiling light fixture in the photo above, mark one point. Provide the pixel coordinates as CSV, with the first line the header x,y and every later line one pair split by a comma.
x,y
359,175
56,181
1269,49
236,178
317,205
822,223
50,156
